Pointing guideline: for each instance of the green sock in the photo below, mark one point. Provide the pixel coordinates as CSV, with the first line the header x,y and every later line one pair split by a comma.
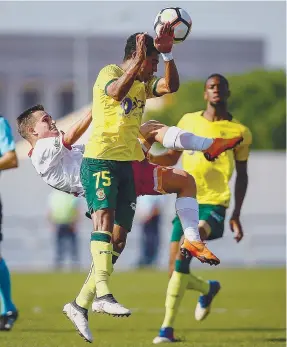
x,y
102,251
198,284
175,292
88,291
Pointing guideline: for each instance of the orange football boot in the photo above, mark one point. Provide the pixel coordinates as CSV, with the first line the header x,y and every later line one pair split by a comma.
x,y
220,145
199,250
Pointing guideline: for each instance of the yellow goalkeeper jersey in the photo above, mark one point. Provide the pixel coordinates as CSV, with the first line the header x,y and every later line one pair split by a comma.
x,y
115,126
212,177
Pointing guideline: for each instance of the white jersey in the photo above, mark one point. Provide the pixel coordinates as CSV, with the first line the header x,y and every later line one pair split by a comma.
x,y
59,164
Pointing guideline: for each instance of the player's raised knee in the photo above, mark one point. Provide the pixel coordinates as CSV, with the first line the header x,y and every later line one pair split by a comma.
x,y
103,219
187,182
150,129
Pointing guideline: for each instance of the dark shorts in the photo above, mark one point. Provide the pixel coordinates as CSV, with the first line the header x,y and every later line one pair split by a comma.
x,y
110,184
214,215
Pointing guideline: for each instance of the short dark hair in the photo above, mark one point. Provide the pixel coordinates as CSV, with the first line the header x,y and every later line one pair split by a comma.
x,y
26,120
130,47
221,77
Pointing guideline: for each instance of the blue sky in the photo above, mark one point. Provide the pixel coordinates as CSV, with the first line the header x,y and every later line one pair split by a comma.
x,y
256,19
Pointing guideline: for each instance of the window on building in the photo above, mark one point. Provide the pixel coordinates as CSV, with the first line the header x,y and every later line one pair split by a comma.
x,y
66,102
29,98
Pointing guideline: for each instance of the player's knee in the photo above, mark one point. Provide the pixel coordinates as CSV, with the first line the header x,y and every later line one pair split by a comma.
x,y
150,129
180,182
187,184
103,220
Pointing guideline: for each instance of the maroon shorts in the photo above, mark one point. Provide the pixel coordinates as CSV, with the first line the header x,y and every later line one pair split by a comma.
x,y
148,178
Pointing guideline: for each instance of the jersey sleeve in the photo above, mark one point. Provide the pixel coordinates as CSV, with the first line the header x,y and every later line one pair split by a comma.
x,y
7,143
107,75
150,87
241,152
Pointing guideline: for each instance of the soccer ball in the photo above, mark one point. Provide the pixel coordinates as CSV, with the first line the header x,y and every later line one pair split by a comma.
x,y
178,18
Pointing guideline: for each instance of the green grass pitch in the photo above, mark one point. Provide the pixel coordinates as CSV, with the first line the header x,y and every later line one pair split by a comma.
x,y
248,312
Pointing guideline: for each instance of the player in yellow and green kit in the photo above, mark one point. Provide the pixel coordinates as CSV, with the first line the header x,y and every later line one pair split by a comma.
x,y
119,98
213,195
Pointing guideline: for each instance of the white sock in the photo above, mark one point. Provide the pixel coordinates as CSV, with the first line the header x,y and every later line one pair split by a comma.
x,y
187,211
178,139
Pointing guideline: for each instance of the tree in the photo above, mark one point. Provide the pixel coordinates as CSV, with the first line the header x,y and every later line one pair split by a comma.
x,y
258,100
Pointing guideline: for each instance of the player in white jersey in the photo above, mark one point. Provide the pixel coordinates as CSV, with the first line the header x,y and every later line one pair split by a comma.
x,y
54,154
58,163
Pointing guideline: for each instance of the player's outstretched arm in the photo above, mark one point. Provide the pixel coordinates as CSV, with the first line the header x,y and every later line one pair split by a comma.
x,y
120,88
241,155
78,129
163,43
241,183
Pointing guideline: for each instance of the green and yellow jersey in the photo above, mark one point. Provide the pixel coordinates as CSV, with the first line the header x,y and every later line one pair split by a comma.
x,y
115,126
212,177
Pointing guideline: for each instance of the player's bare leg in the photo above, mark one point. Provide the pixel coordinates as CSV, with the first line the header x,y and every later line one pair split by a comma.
x,y
119,239
178,139
180,182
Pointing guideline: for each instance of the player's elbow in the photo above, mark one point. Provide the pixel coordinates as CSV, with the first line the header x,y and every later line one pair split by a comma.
x,y
115,92
174,88
13,160
69,139
14,163
117,97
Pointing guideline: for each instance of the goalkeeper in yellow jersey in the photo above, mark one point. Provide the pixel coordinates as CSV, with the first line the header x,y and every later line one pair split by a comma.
x,y
213,196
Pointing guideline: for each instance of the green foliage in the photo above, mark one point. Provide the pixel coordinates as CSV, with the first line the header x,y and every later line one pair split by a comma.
x,y
258,100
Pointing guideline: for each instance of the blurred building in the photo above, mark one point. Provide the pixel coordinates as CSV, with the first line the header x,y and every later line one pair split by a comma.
x,y
59,71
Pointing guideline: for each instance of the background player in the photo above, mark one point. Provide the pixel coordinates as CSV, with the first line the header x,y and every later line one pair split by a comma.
x,y
8,160
213,194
